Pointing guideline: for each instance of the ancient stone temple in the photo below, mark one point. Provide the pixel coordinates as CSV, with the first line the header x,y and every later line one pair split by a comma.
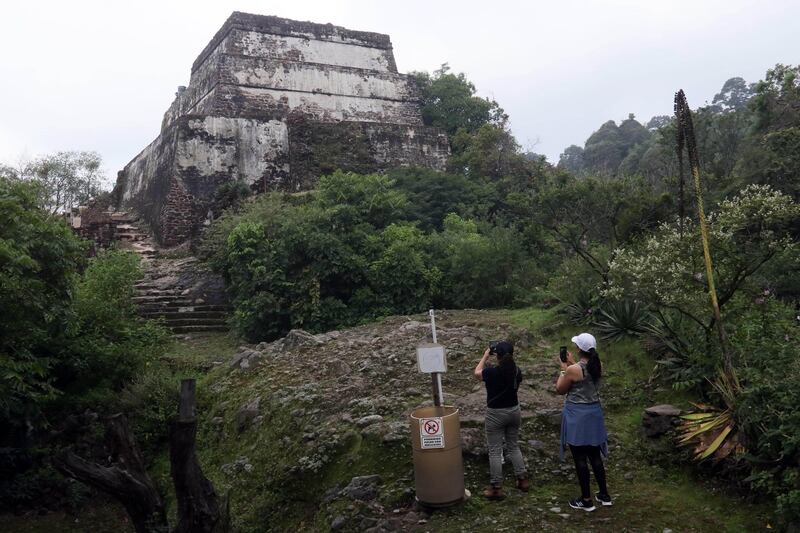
x,y
276,103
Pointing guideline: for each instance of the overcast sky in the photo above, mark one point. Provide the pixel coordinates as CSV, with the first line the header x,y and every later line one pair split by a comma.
x,y
83,75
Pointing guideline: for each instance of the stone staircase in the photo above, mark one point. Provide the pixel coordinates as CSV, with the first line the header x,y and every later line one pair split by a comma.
x,y
161,293
180,314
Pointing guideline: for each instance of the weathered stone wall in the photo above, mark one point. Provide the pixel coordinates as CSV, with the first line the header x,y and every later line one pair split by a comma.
x,y
276,103
322,148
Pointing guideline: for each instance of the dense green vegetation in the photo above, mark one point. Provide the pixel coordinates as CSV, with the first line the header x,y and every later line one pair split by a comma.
x,y
595,242
69,335
599,235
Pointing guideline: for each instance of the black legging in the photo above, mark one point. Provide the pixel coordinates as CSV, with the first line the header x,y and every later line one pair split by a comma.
x,y
592,453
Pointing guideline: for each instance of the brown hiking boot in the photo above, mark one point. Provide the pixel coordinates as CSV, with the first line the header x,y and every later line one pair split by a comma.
x,y
523,484
494,492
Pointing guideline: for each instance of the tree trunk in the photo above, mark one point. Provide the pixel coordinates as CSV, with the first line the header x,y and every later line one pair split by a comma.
x,y
126,481
199,509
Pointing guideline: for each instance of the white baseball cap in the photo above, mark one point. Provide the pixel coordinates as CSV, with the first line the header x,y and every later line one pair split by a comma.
x,y
585,341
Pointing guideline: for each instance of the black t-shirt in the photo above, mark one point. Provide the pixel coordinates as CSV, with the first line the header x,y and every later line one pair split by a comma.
x,y
500,394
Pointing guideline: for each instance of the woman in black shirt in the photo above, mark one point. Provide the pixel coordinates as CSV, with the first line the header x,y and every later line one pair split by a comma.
x,y
502,417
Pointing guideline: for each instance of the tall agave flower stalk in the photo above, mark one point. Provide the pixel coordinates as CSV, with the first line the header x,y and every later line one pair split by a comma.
x,y
685,137
713,432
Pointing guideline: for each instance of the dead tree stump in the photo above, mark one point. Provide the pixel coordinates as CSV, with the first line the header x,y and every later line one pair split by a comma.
x,y
127,480
199,509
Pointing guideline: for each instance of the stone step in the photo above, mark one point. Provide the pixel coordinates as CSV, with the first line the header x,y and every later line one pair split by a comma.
x,y
194,329
194,322
158,292
162,298
171,307
123,226
175,315
124,217
131,237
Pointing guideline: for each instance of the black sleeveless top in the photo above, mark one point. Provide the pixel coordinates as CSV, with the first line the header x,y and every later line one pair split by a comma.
x,y
500,394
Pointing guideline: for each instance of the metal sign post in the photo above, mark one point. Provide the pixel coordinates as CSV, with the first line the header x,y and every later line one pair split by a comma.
x,y
436,377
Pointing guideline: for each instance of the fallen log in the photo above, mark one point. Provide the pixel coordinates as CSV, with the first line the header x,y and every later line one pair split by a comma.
x,y
126,480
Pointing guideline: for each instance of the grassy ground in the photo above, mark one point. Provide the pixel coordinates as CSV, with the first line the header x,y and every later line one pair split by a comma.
x,y
651,492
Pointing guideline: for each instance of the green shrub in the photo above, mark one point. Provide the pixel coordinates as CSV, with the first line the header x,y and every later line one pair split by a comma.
x,y
108,343
229,195
482,266
765,337
149,402
345,254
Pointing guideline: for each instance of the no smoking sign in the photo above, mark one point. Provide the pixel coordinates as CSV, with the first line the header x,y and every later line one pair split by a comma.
x,y
431,433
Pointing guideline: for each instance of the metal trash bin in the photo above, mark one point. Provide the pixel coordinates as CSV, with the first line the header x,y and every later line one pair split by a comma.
x,y
438,465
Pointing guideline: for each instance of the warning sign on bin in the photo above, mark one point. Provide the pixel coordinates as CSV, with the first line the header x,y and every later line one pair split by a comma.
x,y
431,433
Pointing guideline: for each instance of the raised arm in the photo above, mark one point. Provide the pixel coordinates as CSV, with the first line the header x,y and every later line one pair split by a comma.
x,y
570,373
481,364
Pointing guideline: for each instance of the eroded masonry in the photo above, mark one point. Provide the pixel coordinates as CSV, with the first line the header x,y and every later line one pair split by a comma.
x,y
276,103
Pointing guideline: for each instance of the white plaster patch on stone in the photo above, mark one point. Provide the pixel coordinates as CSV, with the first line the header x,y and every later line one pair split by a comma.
x,y
335,108
144,166
309,50
310,78
250,149
263,149
207,149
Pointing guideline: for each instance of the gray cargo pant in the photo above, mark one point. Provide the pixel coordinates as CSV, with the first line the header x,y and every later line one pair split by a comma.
x,y
503,424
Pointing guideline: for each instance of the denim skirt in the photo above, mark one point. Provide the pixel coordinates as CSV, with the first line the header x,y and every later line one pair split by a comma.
x,y
582,424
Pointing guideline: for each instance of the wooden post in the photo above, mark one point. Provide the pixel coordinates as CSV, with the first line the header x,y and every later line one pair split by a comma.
x,y
198,504
186,409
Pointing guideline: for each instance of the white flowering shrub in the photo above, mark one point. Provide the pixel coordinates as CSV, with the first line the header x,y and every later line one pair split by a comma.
x,y
666,269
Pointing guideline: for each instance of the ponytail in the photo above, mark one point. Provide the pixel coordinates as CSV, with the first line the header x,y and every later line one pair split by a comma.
x,y
594,367
508,367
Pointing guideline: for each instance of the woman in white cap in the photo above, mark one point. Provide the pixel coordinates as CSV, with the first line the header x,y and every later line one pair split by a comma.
x,y
582,426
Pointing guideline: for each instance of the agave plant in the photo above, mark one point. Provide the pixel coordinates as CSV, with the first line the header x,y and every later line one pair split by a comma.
x,y
714,432
621,319
581,309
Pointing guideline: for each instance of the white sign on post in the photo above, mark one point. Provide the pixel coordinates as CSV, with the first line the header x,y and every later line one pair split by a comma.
x,y
431,433
430,358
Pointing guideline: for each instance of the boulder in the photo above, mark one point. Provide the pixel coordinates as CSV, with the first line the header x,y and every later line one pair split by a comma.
x,y
660,419
245,358
247,414
295,339
368,420
364,488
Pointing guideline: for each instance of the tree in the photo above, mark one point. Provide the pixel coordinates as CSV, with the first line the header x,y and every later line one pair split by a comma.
x,y
632,132
449,101
590,216
571,159
65,179
491,153
734,96
605,149
402,278
39,261
777,99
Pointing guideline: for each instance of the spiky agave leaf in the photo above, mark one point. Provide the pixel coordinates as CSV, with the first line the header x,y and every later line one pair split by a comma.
x,y
713,432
